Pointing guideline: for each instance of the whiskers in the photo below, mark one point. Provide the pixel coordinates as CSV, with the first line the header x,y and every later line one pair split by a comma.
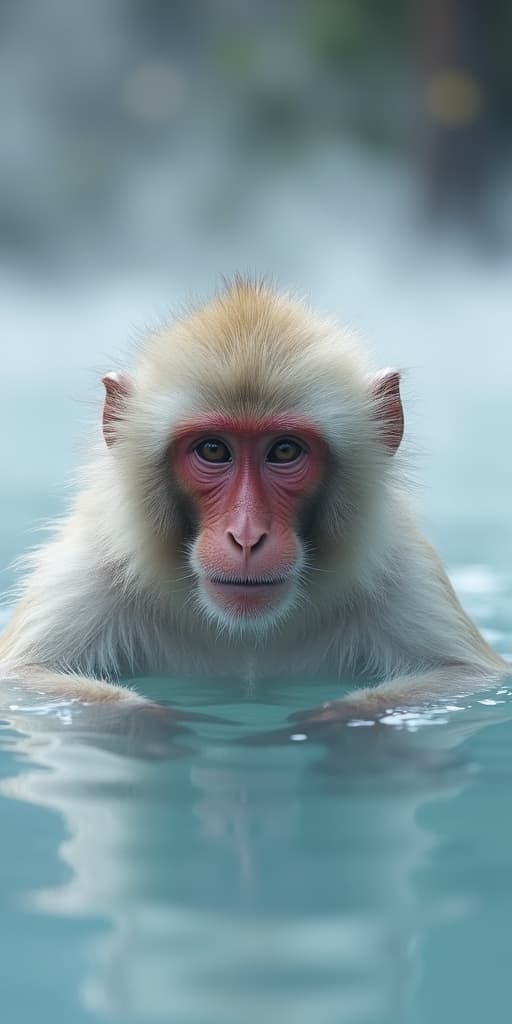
x,y
191,575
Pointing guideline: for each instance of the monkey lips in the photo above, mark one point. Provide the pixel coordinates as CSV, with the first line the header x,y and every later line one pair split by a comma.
x,y
246,597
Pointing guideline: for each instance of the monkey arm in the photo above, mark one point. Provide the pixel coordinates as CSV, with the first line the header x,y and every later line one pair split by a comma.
x,y
33,698
95,713
67,627
371,703
39,681
40,651
436,648
63,639
40,655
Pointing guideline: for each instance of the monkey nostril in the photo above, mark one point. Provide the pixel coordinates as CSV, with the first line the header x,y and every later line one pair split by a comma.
x,y
234,541
258,544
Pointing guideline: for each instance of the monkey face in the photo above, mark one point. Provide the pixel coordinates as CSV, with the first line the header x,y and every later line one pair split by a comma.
x,y
248,479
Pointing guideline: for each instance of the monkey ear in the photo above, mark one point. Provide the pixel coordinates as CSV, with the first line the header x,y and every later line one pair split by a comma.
x,y
117,388
385,389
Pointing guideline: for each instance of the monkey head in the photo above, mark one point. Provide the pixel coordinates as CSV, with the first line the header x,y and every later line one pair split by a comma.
x,y
253,448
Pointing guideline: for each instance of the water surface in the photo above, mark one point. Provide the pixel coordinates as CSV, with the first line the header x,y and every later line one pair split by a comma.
x,y
360,875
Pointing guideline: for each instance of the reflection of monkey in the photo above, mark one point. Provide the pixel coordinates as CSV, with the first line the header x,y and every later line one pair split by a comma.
x,y
247,516
228,886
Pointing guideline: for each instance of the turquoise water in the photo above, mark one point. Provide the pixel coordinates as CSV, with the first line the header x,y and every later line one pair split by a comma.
x,y
228,872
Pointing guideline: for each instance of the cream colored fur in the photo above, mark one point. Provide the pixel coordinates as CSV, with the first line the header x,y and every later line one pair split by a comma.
x,y
113,594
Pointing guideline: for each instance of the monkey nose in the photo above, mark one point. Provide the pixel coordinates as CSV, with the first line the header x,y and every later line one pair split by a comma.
x,y
247,543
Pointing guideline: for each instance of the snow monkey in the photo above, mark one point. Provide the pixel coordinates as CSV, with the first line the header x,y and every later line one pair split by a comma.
x,y
247,517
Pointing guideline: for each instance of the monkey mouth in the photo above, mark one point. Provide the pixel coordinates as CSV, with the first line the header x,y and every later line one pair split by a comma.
x,y
247,581
246,597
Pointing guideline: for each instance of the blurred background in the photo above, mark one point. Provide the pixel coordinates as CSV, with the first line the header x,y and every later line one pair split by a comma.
x,y
359,152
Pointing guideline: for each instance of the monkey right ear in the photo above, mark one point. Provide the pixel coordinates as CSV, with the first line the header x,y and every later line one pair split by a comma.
x,y
117,388
385,389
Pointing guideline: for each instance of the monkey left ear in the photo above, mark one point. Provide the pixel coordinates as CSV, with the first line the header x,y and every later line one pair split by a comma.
x,y
117,388
385,389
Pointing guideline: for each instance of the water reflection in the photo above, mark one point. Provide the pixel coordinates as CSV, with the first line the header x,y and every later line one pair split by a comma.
x,y
239,881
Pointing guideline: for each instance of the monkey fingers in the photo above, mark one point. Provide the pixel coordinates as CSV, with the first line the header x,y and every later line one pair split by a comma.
x,y
184,714
147,730
314,730
354,708
144,729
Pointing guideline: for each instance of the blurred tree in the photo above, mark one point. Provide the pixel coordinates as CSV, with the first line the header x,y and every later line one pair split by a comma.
x,y
96,96
456,100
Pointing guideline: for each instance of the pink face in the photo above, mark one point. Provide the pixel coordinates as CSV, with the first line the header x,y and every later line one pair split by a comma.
x,y
248,478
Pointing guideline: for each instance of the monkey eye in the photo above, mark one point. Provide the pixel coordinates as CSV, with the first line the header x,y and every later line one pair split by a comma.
x,y
285,451
213,450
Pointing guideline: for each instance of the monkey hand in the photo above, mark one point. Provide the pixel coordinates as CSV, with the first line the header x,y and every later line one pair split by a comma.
x,y
360,707
403,695
318,723
365,705
131,728
145,729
